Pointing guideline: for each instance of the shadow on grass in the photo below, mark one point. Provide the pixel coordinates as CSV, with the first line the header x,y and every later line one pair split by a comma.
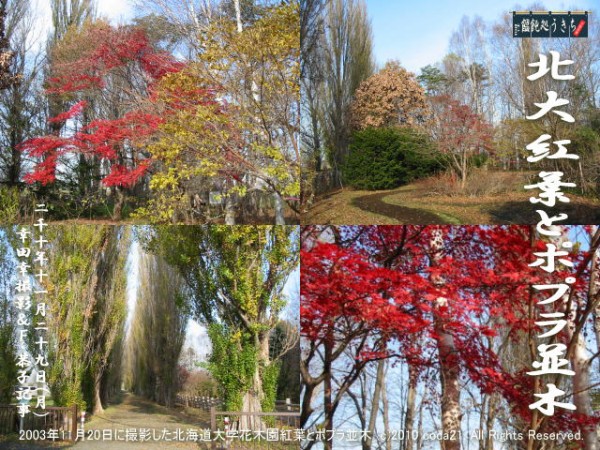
x,y
524,212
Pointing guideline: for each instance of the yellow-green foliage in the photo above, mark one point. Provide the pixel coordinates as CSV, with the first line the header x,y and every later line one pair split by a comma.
x,y
232,364
16,204
86,300
8,347
236,276
243,253
261,69
9,205
157,331
192,138
231,113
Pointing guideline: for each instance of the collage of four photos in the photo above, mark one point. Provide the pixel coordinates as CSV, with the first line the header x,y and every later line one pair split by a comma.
x,y
299,224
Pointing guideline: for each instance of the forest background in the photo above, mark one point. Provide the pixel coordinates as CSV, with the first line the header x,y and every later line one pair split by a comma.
x,y
444,97
177,112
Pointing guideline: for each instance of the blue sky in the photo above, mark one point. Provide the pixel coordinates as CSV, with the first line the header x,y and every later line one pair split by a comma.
x,y
401,27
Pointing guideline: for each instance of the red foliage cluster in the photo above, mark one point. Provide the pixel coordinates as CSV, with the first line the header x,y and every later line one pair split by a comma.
x,y
48,148
43,146
115,48
122,176
458,128
159,64
105,138
74,111
45,171
340,284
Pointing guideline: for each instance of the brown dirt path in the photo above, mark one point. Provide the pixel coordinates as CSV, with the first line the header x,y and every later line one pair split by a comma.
x,y
136,414
431,201
374,204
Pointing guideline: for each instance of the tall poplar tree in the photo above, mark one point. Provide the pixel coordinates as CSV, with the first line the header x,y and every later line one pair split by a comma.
x,y
236,276
157,331
86,311
348,60
7,78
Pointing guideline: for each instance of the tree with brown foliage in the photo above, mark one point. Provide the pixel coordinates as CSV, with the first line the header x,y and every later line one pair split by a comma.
x,y
86,304
7,78
389,98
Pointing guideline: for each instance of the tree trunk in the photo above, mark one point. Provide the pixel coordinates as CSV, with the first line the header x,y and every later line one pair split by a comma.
x,y
449,366
489,424
386,414
251,403
463,173
119,202
581,389
252,400
238,15
230,210
305,408
327,395
367,442
580,363
279,210
410,407
594,291
482,415
16,137
360,405
420,429
449,372
596,316
98,409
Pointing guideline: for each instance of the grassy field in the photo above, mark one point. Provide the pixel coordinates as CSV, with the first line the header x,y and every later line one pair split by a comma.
x,y
489,198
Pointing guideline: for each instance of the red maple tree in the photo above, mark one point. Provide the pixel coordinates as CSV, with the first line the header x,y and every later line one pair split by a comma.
x,y
109,55
432,297
459,133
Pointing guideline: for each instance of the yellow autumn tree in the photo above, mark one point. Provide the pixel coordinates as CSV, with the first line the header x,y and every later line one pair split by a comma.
x,y
230,117
191,145
259,69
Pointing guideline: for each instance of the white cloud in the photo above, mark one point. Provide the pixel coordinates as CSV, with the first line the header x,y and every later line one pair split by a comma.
x,y
118,11
42,24
197,338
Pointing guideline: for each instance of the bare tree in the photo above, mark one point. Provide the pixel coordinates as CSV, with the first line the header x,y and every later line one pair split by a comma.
x,y
347,60
21,104
449,366
70,13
